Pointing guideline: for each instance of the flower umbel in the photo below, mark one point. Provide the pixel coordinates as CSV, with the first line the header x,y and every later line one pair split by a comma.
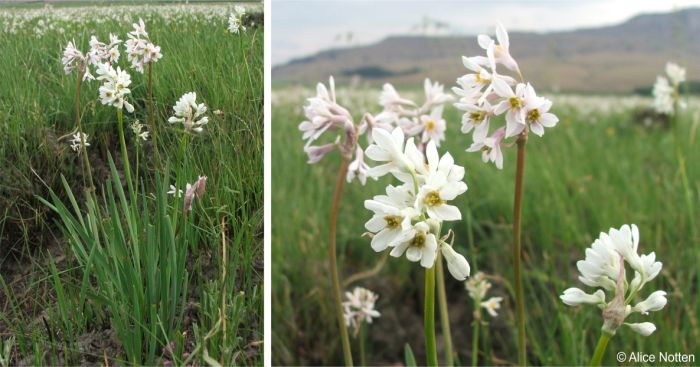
x,y
189,113
359,308
604,268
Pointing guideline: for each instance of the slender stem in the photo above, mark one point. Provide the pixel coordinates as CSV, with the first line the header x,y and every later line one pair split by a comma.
x,y
444,314
87,171
223,283
517,206
475,336
125,156
332,258
429,318
600,348
363,335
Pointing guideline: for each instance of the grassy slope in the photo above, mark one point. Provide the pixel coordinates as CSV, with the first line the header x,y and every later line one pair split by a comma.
x,y
580,179
36,107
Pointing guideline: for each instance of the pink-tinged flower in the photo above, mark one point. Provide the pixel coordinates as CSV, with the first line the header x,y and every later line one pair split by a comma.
x,y
513,105
196,189
391,100
358,168
324,114
434,94
501,50
433,126
316,152
490,148
477,118
384,120
74,59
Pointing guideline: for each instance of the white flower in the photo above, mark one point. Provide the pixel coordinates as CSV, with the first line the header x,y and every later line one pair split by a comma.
x,y
490,148
655,302
491,305
477,286
358,168
101,53
359,307
79,141
139,130
513,104
644,328
477,117
418,244
174,191
433,126
439,189
501,51
115,88
664,96
604,268
392,216
434,94
675,73
235,20
324,114
574,297
537,115
189,113
389,148
139,49
456,263
391,100
74,59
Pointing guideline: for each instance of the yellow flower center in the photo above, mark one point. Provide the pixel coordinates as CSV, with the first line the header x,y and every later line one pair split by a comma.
x,y
533,115
433,199
477,116
515,102
418,240
393,221
430,125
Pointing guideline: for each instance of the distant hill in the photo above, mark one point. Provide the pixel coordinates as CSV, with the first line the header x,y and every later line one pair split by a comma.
x,y
618,58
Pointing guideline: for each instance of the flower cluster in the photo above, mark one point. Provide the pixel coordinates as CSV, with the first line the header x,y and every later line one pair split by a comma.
x,y
74,59
424,121
139,48
667,90
116,86
324,114
235,20
139,130
359,308
604,268
189,113
409,218
101,53
485,93
79,141
477,286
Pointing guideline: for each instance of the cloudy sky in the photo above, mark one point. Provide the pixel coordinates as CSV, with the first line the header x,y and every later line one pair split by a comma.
x,y
303,27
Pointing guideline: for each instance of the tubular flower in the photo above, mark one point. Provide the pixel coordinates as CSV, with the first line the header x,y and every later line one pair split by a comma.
x,y
189,113
192,190
604,268
74,59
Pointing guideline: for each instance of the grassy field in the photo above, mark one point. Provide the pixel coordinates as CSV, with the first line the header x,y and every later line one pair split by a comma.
x,y
599,168
53,304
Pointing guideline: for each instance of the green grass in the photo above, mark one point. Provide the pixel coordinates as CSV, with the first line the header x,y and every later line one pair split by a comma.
x,y
42,279
594,171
